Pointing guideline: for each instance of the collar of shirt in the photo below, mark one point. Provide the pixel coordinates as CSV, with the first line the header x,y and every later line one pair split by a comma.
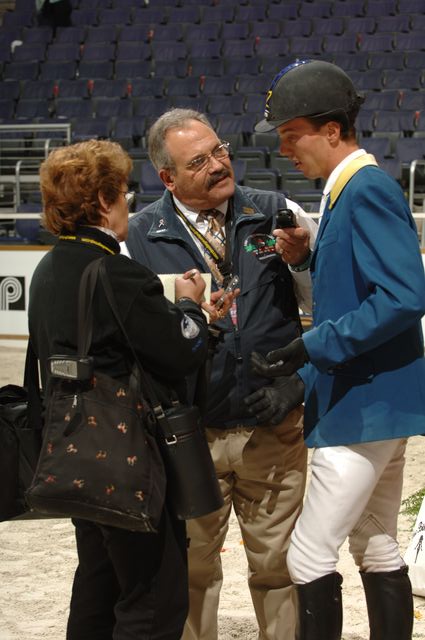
x,y
334,176
193,216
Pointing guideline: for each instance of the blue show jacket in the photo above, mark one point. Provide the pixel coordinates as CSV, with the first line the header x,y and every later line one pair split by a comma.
x,y
366,380
267,310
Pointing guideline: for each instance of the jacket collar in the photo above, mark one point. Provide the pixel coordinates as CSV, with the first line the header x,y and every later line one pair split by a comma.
x,y
165,223
347,173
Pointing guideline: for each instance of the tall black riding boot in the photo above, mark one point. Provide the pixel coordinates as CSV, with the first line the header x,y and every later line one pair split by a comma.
x,y
320,608
389,604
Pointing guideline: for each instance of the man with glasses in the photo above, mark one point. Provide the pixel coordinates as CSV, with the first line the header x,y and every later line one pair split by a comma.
x,y
205,219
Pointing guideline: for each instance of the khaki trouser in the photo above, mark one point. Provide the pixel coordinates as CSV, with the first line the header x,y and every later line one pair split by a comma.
x,y
262,474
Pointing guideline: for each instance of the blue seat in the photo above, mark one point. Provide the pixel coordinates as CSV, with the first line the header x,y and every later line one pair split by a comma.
x,y
218,13
345,43
404,79
251,13
78,88
283,12
319,9
149,15
96,69
409,149
134,33
413,41
146,106
348,8
128,131
133,69
117,16
33,109
7,108
183,86
226,104
371,79
189,102
169,50
208,66
103,88
417,22
409,122
133,51
387,100
238,48
88,128
379,8
149,180
5,52
268,179
224,85
413,6
250,84
205,49
311,46
235,30
65,35
358,61
387,121
67,51
11,89
301,27
98,52
36,89
387,60
113,108
412,100
202,32
379,147
148,87
328,26
376,42
242,66
365,24
254,104
267,29
272,47
365,122
13,19
39,35
71,108
177,68
190,14
102,33
52,70
393,24
29,52
414,60
167,32
84,17
20,70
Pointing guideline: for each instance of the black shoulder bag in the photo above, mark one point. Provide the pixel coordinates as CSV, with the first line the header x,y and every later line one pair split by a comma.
x,y
99,459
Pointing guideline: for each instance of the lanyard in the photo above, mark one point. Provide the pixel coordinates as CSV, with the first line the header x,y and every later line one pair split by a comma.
x,y
225,265
213,253
88,241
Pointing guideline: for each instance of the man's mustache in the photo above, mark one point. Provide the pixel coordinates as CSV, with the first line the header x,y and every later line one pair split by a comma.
x,y
216,177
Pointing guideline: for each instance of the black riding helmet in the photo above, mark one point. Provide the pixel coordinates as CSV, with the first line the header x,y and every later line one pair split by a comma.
x,y
308,88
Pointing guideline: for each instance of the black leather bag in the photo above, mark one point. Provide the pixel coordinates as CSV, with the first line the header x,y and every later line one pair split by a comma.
x,y
99,460
20,444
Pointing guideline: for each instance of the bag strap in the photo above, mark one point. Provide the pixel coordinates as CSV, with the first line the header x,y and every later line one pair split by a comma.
x,y
85,306
32,385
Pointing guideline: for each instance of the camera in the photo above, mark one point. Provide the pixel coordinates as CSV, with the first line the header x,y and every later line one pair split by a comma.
x,y
71,367
285,219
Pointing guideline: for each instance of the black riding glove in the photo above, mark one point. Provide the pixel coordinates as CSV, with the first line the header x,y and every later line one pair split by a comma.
x,y
281,362
271,405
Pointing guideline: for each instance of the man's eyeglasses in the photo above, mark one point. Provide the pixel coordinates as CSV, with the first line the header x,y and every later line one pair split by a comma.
x,y
129,197
221,152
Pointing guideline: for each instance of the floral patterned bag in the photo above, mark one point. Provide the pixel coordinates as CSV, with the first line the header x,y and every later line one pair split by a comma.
x,y
99,459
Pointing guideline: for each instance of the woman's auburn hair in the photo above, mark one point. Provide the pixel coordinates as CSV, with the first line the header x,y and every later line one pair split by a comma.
x,y
72,177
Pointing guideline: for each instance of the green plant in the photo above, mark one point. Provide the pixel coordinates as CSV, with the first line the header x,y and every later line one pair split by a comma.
x,y
412,504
